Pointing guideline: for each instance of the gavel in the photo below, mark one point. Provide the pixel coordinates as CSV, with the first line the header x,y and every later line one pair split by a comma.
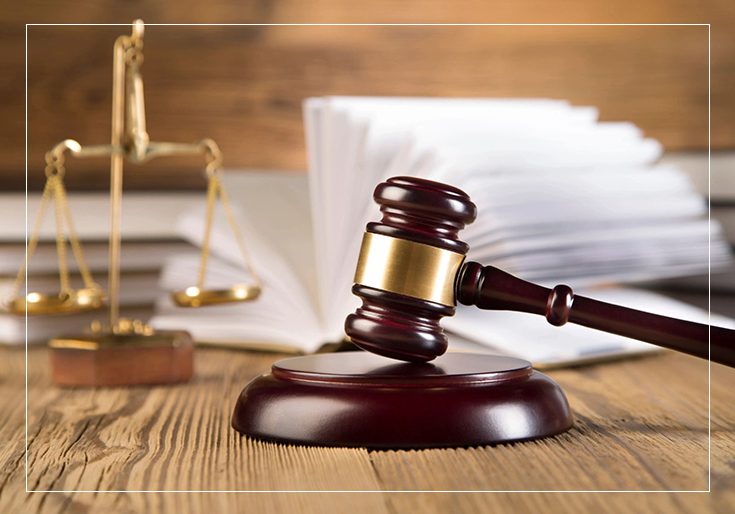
x,y
411,272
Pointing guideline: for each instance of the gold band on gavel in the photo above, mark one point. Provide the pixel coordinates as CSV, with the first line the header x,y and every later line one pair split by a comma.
x,y
408,268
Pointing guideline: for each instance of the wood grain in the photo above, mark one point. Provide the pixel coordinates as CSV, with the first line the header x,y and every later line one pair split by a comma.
x,y
243,86
640,425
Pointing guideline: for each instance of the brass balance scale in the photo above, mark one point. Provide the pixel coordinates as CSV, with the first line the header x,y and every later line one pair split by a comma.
x,y
123,351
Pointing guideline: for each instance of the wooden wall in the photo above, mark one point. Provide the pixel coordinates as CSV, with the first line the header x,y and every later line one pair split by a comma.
x,y
243,86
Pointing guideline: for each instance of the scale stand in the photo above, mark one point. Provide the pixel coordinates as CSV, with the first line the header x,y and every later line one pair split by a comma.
x,y
123,352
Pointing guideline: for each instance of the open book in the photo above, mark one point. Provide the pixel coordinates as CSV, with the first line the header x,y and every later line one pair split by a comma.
x,y
561,198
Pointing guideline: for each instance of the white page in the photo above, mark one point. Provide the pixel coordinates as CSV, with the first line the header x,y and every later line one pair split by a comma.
x,y
316,151
284,302
145,216
275,318
277,208
134,256
270,266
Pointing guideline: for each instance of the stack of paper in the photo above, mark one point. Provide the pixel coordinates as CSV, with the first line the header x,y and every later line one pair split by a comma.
x,y
148,238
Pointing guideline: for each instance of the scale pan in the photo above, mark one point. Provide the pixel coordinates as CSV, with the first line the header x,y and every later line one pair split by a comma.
x,y
74,301
195,297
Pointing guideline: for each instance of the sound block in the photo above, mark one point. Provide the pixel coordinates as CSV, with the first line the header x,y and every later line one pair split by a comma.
x,y
107,360
362,399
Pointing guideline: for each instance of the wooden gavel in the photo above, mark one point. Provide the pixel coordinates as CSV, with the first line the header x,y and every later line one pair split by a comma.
x,y
412,271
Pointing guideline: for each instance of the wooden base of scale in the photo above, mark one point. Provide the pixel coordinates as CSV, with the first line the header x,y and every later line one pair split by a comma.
x,y
361,399
109,360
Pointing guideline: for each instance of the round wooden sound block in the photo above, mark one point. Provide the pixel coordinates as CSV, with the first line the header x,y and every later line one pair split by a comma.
x,y
362,399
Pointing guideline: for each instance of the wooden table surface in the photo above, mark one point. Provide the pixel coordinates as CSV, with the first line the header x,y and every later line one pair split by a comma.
x,y
640,425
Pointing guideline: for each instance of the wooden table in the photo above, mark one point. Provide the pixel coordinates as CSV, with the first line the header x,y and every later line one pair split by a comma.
x,y
640,425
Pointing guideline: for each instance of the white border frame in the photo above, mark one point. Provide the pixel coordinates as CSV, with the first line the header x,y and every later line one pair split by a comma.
x,y
709,262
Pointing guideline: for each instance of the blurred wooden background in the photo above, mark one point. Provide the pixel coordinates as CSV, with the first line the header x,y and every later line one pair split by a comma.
x,y
243,86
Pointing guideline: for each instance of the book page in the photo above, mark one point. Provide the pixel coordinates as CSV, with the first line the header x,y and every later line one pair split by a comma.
x,y
283,314
276,318
145,216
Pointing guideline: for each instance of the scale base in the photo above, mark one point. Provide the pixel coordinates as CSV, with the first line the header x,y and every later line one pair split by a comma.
x,y
108,360
358,399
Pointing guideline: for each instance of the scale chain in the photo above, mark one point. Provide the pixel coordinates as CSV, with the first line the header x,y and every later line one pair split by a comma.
x,y
33,242
238,236
74,240
212,188
55,190
216,190
64,287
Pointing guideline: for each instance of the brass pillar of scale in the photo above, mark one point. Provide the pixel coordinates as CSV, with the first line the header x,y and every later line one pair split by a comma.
x,y
123,351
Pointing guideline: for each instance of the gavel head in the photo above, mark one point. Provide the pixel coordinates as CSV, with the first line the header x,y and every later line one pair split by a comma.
x,y
407,269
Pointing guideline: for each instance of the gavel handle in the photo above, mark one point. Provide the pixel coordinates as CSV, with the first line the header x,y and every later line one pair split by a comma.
x,y
493,289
